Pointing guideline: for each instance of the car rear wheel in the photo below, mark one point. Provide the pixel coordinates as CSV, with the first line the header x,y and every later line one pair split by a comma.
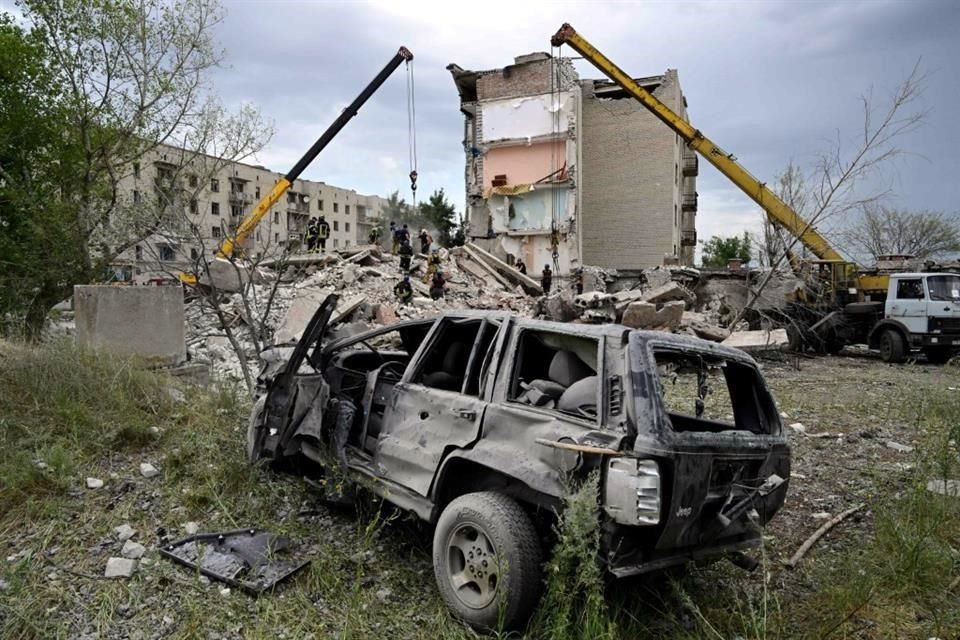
x,y
487,561
892,346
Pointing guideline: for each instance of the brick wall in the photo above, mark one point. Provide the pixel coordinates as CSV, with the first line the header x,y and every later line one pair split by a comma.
x,y
531,78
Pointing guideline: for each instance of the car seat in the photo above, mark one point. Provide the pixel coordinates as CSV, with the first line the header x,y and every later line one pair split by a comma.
x,y
450,376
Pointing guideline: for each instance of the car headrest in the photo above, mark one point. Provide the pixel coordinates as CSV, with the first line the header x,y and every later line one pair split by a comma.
x,y
566,368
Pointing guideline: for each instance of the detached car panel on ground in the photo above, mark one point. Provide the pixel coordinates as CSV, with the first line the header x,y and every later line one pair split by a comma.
x,y
478,422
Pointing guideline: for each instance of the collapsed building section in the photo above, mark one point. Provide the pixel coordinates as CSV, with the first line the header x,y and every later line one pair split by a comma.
x,y
566,172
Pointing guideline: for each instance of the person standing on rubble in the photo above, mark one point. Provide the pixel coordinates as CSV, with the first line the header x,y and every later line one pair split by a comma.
x,y
374,236
406,253
522,268
394,238
425,241
438,285
312,232
323,233
404,290
546,279
404,234
433,266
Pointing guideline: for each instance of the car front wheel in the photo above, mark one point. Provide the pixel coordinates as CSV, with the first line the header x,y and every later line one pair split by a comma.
x,y
487,561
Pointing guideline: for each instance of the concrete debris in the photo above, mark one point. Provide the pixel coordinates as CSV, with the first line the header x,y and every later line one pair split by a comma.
x,y
899,448
758,341
124,532
120,568
639,315
191,528
945,487
529,285
798,427
94,483
558,307
147,470
669,291
133,550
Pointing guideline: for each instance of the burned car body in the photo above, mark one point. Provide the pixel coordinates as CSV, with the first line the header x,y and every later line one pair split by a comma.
x,y
478,421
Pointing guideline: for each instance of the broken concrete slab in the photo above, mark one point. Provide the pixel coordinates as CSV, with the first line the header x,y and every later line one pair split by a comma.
x,y
945,487
364,257
301,310
639,315
345,308
529,285
471,266
133,550
669,291
668,317
124,532
385,314
301,260
558,307
758,341
120,568
143,321
349,276
147,470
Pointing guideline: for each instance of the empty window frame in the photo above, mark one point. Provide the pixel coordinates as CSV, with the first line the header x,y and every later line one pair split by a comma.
x,y
557,372
457,358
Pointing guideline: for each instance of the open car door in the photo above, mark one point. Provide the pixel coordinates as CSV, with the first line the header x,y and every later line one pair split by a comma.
x,y
295,399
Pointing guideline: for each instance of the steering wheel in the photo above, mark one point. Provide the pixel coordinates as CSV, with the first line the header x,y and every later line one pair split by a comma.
x,y
392,371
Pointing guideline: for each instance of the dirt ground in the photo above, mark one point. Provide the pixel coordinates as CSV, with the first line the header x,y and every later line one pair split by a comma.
x,y
371,574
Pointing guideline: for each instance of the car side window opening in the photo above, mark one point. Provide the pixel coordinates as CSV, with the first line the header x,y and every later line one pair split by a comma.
x,y
701,393
444,365
558,372
910,289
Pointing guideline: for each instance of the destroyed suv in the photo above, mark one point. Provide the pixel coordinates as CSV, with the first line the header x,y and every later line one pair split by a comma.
x,y
478,422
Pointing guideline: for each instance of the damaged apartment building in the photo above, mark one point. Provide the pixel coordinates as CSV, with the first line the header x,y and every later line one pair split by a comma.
x,y
194,201
573,172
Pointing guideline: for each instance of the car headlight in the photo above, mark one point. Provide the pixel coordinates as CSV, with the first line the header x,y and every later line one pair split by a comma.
x,y
632,491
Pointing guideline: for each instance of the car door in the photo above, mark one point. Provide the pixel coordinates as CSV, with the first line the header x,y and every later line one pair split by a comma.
x,y
909,304
432,414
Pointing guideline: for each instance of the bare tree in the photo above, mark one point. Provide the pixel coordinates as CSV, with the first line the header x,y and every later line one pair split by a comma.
x,y
922,234
838,175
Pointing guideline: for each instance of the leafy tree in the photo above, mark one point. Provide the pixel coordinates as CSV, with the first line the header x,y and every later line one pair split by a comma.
x,y
718,251
439,215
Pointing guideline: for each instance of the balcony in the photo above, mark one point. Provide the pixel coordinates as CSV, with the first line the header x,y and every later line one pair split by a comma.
x,y
301,208
688,238
691,164
688,202
240,197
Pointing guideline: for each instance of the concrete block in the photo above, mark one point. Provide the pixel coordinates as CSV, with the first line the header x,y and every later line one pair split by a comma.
x,y
120,568
385,315
145,321
668,317
640,315
299,314
758,341
132,550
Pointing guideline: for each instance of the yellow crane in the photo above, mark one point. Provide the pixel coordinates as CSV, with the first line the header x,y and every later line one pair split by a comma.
x,y
843,273
249,223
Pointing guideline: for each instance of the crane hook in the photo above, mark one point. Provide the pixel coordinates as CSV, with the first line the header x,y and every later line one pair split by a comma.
x,y
413,181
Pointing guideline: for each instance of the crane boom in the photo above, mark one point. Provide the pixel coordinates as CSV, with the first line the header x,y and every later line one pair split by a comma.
x,y
253,218
777,210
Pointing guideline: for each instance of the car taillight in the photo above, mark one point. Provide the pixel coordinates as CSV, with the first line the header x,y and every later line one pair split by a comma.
x,y
632,491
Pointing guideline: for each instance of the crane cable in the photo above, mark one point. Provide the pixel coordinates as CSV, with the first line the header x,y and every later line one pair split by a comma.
x,y
555,195
412,131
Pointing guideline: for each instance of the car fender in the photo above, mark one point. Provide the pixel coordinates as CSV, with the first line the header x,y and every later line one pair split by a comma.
x,y
874,338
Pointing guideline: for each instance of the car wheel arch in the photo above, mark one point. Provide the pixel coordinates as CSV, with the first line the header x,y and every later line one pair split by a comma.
x,y
873,339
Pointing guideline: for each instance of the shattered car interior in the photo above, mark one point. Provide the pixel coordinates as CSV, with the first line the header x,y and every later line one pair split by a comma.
x,y
479,422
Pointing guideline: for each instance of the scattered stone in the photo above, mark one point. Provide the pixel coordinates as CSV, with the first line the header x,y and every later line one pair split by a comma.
x,y
899,448
147,470
668,317
124,532
798,427
639,315
383,595
349,276
133,550
120,568
225,592
191,528
758,341
94,483
167,621
945,487
385,315
41,465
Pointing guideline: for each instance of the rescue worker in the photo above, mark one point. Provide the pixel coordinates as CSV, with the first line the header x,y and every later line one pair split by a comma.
x,y
374,236
312,232
438,286
546,280
404,234
425,241
323,233
433,266
394,238
522,268
404,290
406,253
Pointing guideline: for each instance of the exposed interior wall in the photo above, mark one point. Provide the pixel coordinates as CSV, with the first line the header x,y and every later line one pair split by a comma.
x,y
524,164
527,117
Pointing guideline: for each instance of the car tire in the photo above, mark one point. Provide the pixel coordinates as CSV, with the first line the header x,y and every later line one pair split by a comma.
x,y
256,419
893,348
937,355
487,561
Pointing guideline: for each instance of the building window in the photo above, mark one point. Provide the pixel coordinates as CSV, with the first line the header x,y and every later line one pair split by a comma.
x,y
194,207
336,243
276,217
346,243
336,224
257,193
320,204
346,226
676,173
346,210
236,210
214,208
335,207
136,196
138,252
214,185
291,197
192,180
167,253
676,216
276,238
215,232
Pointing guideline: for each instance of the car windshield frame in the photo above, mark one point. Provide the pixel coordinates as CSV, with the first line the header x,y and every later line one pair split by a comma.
x,y
948,289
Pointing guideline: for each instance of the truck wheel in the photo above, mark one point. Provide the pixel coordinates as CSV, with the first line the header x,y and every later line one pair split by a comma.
x,y
937,356
486,558
253,446
892,346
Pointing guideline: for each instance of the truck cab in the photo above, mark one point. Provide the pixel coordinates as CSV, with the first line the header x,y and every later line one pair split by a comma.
x,y
921,311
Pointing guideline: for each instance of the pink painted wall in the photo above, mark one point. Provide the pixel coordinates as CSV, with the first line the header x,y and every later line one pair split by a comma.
x,y
523,164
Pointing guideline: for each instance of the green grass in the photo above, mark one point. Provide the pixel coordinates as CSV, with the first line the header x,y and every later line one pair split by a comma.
x,y
84,414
